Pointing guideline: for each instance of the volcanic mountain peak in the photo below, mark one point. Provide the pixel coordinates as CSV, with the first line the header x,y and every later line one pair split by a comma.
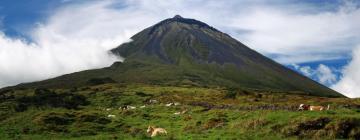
x,y
181,51
177,16
180,19
176,38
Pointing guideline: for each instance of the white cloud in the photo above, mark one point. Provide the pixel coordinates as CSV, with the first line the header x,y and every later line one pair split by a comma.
x,y
76,37
301,37
307,71
349,84
324,74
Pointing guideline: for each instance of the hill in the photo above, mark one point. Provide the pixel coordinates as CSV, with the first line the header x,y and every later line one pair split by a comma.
x,y
186,52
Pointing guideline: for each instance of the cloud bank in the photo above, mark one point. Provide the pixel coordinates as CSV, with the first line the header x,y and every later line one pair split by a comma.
x,y
324,74
77,36
350,82
74,38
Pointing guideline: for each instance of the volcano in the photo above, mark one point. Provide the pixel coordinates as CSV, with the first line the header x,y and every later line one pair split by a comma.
x,y
186,52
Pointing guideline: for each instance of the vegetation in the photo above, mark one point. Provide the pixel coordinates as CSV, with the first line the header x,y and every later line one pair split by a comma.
x,y
213,113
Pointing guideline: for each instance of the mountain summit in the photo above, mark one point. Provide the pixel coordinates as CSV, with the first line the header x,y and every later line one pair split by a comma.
x,y
181,51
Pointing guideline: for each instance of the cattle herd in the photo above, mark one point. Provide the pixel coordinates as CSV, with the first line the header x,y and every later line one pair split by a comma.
x,y
154,131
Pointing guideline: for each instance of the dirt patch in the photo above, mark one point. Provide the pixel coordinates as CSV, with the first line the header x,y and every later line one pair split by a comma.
x,y
344,128
314,124
303,129
340,129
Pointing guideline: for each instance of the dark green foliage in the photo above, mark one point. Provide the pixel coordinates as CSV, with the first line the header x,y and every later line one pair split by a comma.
x,y
142,94
303,127
92,117
231,93
85,123
54,122
57,118
322,127
344,128
4,97
47,98
99,81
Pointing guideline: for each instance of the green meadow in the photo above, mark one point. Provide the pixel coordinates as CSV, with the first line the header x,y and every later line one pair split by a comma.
x,y
211,113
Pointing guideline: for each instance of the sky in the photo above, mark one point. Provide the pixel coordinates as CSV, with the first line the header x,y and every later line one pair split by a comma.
x,y
41,39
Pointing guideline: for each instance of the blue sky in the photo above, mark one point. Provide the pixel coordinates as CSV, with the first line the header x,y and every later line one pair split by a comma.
x,y
23,14
316,38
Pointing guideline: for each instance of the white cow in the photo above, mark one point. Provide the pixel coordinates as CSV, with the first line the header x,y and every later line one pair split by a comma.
x,y
153,101
155,131
111,116
169,104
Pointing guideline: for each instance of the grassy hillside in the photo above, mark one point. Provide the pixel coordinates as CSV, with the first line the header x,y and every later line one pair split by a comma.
x,y
213,113
186,73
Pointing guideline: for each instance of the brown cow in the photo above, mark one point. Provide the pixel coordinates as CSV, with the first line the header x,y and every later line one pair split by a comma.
x,y
313,108
155,131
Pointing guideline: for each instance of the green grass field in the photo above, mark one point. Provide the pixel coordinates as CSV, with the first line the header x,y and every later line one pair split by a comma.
x,y
213,113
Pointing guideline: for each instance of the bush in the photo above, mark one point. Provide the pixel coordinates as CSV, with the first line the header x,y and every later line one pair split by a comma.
x,y
45,97
54,122
99,81
142,94
231,93
92,117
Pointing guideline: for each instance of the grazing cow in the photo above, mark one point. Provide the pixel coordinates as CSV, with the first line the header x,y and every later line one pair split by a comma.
x,y
142,106
153,101
182,112
111,116
169,104
127,107
319,108
108,109
124,107
303,107
173,104
155,131
313,108
131,107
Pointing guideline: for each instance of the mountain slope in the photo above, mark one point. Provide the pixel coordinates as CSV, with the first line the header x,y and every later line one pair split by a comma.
x,y
181,51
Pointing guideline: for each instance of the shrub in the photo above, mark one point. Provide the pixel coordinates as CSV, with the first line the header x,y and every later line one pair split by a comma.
x,y
92,117
45,97
99,81
231,93
54,122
